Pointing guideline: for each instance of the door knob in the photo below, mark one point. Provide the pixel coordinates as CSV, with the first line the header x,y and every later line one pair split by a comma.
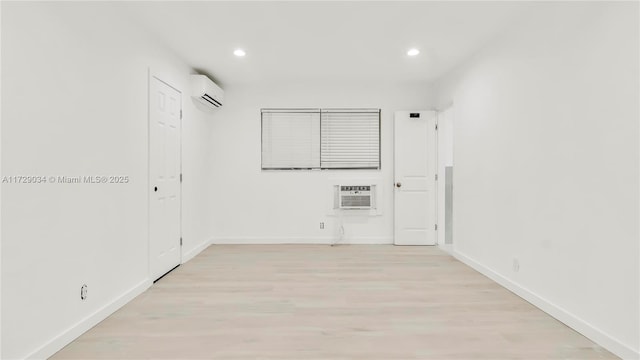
x,y
398,184
155,188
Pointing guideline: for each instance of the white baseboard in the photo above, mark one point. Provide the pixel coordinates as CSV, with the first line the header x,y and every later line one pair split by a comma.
x,y
67,336
267,240
195,251
562,315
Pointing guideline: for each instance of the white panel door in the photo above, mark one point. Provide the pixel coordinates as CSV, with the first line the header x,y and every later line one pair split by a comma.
x,y
165,108
414,173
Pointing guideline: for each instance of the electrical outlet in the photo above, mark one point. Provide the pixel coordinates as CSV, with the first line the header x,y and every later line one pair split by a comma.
x,y
83,292
321,225
516,265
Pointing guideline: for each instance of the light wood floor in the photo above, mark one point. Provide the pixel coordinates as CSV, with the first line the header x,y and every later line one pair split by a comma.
x,y
322,302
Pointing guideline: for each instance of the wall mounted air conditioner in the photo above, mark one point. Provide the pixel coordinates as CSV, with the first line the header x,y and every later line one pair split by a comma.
x,y
355,197
206,91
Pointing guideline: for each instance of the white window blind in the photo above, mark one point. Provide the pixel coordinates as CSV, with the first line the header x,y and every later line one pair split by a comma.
x,y
350,139
290,139
321,139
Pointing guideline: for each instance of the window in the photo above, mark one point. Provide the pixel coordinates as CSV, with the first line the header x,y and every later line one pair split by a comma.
x,y
320,139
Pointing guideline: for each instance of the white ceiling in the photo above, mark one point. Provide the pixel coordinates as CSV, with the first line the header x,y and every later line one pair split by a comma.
x,y
325,41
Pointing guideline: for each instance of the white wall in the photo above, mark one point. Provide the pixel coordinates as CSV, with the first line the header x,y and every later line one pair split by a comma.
x,y
546,152
445,159
74,102
196,183
255,206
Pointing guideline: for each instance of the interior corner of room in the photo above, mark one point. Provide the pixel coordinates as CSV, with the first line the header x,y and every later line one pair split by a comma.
x,y
138,137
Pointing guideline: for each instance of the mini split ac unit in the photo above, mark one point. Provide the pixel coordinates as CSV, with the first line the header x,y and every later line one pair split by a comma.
x,y
206,91
355,197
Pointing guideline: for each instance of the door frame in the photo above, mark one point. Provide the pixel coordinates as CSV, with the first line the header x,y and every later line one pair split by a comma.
x,y
168,80
436,180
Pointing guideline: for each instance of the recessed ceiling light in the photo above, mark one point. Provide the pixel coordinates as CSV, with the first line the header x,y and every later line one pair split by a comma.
x,y
239,53
413,52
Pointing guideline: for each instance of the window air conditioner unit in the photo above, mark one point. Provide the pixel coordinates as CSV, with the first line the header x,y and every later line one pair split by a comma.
x,y
355,197
206,91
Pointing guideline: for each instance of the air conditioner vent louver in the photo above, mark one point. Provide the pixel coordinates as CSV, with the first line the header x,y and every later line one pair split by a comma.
x,y
211,100
356,201
355,197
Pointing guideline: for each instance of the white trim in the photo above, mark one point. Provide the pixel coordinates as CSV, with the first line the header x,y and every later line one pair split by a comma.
x,y
58,342
267,240
583,327
195,251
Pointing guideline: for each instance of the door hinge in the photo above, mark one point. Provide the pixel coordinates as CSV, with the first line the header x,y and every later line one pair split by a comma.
x,y
436,177
436,227
180,241
180,177
436,127
180,114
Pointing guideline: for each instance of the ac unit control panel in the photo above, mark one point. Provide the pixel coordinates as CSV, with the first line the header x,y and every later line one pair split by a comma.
x,y
355,189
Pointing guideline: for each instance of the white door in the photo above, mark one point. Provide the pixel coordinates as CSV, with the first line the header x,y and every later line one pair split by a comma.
x,y
414,173
165,108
